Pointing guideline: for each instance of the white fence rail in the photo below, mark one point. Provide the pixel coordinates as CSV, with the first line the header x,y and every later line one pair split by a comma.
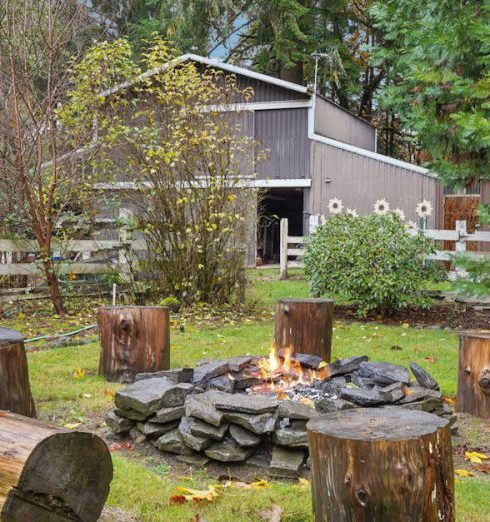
x,y
82,263
293,246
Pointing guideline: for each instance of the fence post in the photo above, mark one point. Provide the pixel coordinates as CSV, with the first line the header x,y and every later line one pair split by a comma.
x,y
283,249
460,245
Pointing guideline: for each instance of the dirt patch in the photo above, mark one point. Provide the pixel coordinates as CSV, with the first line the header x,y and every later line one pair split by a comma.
x,y
439,316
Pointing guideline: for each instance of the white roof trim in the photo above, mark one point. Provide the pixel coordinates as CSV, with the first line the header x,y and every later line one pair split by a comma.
x,y
252,183
212,63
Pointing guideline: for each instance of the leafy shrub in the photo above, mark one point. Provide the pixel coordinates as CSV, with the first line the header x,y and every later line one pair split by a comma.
x,y
372,261
172,302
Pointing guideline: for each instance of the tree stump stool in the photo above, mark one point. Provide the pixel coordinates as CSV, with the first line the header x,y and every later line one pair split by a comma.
x,y
305,325
134,339
474,374
381,465
51,474
15,389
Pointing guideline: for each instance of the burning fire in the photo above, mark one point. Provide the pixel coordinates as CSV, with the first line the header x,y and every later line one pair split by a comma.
x,y
283,371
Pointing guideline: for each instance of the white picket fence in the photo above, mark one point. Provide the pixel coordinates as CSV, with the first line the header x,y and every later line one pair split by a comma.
x,y
83,263
293,246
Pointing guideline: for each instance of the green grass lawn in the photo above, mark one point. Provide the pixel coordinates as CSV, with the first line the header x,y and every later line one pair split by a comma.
x,y
67,389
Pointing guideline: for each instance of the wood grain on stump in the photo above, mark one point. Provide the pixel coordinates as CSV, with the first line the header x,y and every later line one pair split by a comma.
x,y
134,339
381,465
51,474
305,325
474,374
15,389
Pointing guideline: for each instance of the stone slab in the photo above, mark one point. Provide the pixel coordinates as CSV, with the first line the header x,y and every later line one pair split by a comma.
x,y
295,410
258,424
286,462
246,403
190,440
202,429
346,365
384,373
172,443
243,437
118,424
165,415
228,451
202,406
423,377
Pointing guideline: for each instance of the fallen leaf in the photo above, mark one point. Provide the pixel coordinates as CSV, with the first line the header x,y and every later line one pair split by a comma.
x,y
482,468
475,457
198,495
406,325
197,518
79,373
258,484
306,401
72,425
303,481
122,446
177,499
431,359
463,473
272,515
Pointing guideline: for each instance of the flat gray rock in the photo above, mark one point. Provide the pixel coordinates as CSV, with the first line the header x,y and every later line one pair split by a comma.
x,y
195,459
149,395
258,424
202,406
118,424
137,436
243,437
291,438
152,429
286,462
237,364
227,451
423,377
176,375
245,379
392,393
202,429
384,373
168,414
246,403
207,371
330,405
362,397
304,359
417,393
190,440
222,383
295,410
429,404
130,414
346,365
172,443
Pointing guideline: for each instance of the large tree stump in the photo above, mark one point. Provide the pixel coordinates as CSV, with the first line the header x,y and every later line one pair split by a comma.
x,y
134,339
15,390
381,464
305,325
474,374
51,474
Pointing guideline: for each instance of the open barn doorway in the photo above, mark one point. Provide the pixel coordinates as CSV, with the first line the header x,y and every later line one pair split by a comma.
x,y
276,204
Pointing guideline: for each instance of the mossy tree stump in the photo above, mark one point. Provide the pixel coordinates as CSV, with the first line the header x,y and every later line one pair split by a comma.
x,y
382,465
15,389
134,339
51,474
474,374
305,325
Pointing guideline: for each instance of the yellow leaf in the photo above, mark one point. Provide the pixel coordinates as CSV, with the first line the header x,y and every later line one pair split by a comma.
x,y
303,481
322,365
197,495
258,484
406,325
475,457
463,473
79,373
73,425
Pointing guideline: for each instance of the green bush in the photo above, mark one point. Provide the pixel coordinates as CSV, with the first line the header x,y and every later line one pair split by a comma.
x,y
372,261
172,302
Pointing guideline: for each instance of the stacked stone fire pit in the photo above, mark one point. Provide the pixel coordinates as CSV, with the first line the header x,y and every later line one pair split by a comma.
x,y
244,410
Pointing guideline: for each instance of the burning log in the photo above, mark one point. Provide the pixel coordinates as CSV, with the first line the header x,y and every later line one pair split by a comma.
x,y
51,474
305,326
381,465
15,390
134,339
474,374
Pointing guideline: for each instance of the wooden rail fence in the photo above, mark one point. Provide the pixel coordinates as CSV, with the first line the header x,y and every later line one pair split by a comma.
x,y
293,246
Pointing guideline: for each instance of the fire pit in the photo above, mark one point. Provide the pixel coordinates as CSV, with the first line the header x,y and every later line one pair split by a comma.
x,y
255,409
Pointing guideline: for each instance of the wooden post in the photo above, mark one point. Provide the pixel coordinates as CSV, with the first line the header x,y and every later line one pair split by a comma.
x,y
134,339
15,389
381,464
305,325
474,374
51,474
283,249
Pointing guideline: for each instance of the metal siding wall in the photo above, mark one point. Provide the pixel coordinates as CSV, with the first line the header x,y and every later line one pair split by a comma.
x,y
359,181
284,133
264,92
333,122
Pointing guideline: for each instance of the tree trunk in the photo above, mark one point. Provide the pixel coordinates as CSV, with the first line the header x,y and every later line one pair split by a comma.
x,y
474,374
54,289
15,390
134,339
305,325
381,464
51,474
